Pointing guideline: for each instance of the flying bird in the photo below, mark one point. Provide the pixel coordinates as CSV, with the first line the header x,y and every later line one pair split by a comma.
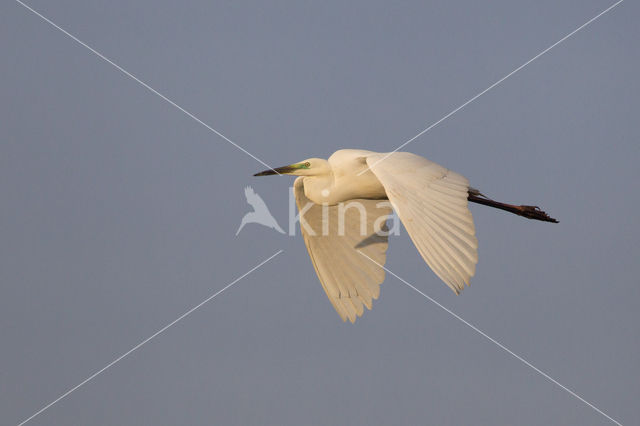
x,y
343,213
260,213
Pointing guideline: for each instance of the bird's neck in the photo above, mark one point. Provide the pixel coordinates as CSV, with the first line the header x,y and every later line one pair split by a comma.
x,y
319,189
332,190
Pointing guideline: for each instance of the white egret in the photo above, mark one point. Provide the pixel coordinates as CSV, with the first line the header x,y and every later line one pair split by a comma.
x,y
430,200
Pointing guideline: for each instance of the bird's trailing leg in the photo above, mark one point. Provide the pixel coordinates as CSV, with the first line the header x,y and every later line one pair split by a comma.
x,y
530,212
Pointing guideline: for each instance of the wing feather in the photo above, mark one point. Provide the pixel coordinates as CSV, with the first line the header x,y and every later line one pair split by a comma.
x,y
432,204
350,280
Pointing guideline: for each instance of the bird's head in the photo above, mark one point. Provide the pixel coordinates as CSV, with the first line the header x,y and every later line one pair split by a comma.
x,y
308,167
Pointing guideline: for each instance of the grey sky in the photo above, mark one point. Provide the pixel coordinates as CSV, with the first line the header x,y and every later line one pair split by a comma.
x,y
119,212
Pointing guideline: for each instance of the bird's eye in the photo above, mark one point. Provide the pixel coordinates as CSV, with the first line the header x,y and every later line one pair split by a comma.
x,y
307,164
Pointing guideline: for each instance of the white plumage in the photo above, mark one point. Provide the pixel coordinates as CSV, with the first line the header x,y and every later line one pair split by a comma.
x,y
349,279
432,203
343,240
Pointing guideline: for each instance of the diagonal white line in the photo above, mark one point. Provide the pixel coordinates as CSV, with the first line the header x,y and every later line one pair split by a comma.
x,y
494,84
190,311
142,83
494,341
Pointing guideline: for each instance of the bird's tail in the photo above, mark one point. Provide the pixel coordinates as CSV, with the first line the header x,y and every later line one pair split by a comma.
x,y
530,212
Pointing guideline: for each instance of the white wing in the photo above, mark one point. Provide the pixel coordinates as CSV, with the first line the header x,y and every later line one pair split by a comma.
x,y
431,202
350,280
